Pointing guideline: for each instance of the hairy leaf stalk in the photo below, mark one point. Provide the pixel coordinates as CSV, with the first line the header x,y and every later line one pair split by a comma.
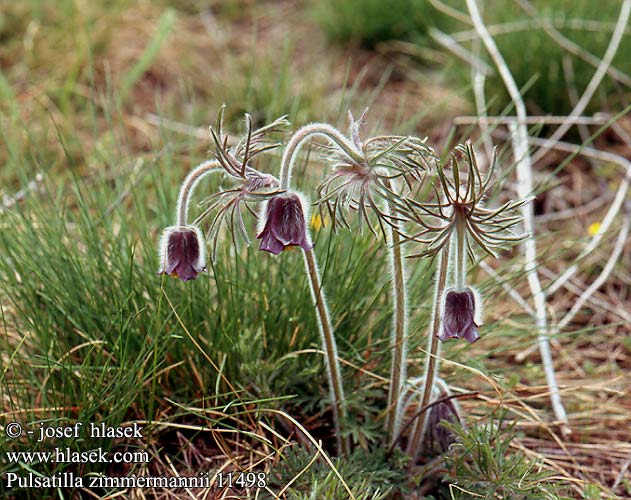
x,y
188,186
399,329
302,135
460,256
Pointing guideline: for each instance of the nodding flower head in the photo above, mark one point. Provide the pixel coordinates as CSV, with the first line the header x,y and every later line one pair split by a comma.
x,y
365,173
284,224
246,186
182,252
458,319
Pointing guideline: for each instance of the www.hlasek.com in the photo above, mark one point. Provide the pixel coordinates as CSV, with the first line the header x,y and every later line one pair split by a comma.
x,y
61,455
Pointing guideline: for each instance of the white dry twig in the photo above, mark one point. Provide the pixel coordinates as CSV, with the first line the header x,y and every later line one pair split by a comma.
x,y
478,79
597,119
572,91
450,11
623,471
459,51
569,45
527,25
614,208
9,202
602,277
514,294
571,213
597,78
181,128
595,302
524,187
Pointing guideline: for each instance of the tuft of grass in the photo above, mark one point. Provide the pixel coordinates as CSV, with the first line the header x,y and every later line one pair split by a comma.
x,y
548,72
368,475
92,334
369,22
552,90
270,86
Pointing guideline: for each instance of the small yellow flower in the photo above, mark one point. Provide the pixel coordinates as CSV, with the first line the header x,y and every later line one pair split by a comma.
x,y
317,222
593,228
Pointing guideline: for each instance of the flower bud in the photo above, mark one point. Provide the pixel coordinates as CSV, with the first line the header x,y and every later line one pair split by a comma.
x,y
284,224
445,411
182,252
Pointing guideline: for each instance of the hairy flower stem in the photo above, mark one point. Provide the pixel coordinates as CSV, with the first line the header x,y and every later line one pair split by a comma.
x,y
399,330
188,186
330,350
324,321
461,255
431,366
398,336
302,135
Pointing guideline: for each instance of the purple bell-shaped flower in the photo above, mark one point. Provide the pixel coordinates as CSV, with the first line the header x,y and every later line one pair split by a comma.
x,y
284,224
182,252
458,319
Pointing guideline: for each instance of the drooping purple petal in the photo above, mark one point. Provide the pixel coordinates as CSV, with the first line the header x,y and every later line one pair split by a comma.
x,y
182,252
458,316
285,224
471,334
443,336
270,243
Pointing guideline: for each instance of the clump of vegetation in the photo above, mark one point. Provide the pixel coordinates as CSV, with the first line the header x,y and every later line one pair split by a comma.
x,y
366,474
229,371
552,48
550,73
483,464
398,189
370,22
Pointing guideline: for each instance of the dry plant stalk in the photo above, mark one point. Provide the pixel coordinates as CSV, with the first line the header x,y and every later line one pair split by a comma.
x,y
524,166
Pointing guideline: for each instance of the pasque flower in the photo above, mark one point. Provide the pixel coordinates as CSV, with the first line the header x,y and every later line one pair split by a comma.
x,y
459,316
284,224
367,173
368,177
460,206
182,252
250,186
